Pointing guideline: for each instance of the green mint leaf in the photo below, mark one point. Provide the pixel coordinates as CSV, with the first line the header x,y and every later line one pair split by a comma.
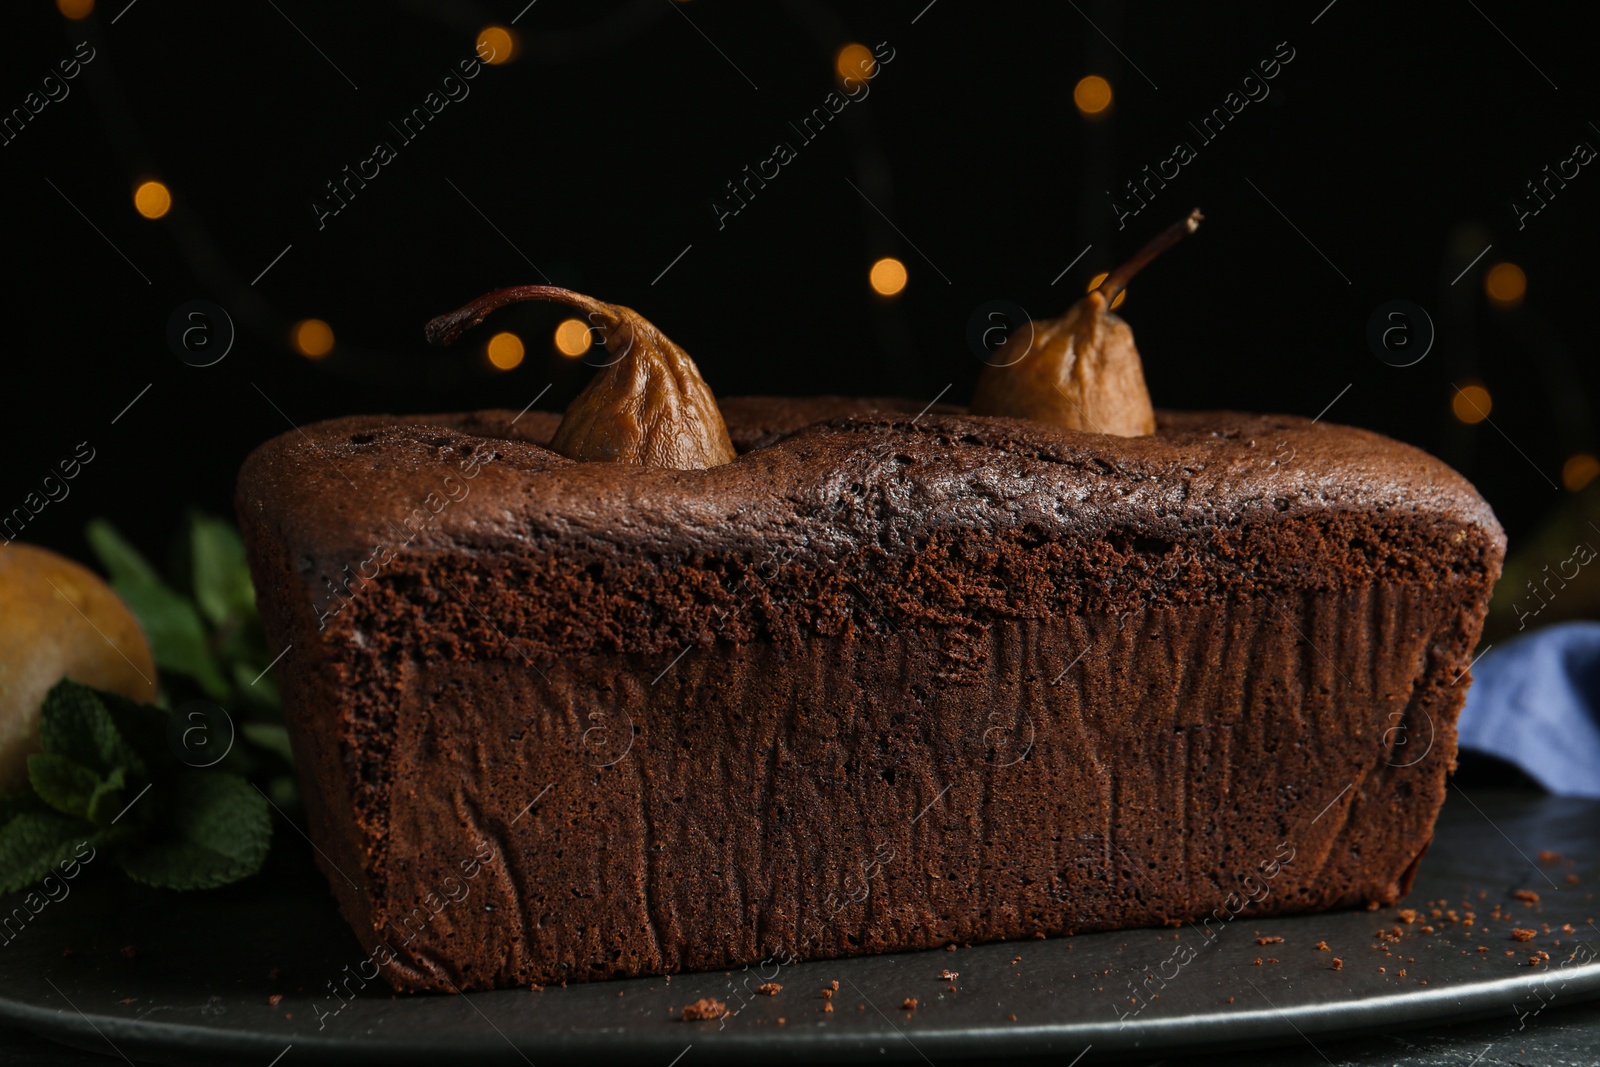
x,y
271,736
106,802
73,722
144,728
176,633
34,842
65,785
177,636
121,560
214,829
221,576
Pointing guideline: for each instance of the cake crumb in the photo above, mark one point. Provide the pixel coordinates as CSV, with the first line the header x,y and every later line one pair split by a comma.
x,y
1427,929
1533,961
861,1007
1522,933
909,1004
1322,946
275,999
1483,948
1012,1016
1547,855
1230,1000
1527,896
619,992
1269,940
827,1008
1258,961
1373,905
782,1020
766,989
1338,964
1401,972
1016,960
1383,970
950,947
704,1008
827,994
834,984
1573,879
948,975
1408,915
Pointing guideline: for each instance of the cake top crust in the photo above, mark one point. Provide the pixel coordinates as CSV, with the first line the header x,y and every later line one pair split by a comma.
x,y
820,474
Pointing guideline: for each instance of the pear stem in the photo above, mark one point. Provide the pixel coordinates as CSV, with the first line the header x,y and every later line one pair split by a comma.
x,y
1119,278
446,328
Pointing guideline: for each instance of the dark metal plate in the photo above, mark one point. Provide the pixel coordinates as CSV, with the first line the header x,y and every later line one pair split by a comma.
x,y
196,981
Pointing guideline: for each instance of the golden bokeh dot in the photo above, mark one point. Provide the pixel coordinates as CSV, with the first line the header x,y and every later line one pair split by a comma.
x,y
1472,404
496,45
888,276
505,350
1094,283
573,337
1506,285
1092,95
1579,470
75,9
854,61
312,338
152,199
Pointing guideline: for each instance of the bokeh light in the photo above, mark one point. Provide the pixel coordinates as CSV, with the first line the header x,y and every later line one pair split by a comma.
x,y
152,199
496,45
1094,283
1579,470
1506,285
75,9
312,338
888,276
573,338
1092,95
854,61
1471,404
505,351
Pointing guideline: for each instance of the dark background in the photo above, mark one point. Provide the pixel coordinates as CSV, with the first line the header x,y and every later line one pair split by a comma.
x,y
1395,140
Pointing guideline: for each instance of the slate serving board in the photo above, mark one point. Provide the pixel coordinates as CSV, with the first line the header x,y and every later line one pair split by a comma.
x,y
180,979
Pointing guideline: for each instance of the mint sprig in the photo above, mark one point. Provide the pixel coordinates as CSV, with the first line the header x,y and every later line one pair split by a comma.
x,y
106,779
203,627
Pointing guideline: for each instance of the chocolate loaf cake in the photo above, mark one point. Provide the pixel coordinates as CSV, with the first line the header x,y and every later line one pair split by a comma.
x,y
882,682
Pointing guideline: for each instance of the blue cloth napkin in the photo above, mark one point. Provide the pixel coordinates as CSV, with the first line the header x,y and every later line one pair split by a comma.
x,y
1535,701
